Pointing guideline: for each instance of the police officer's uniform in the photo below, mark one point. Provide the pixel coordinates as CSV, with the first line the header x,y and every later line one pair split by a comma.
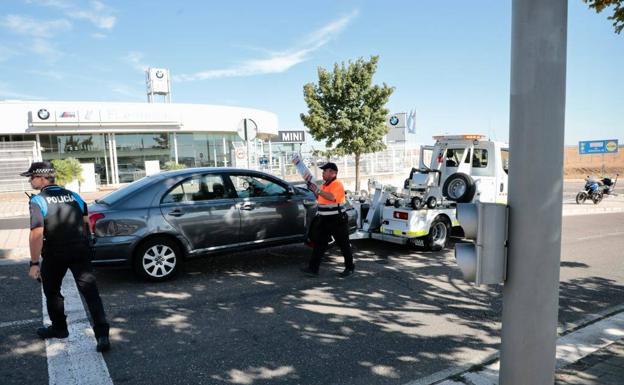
x,y
66,245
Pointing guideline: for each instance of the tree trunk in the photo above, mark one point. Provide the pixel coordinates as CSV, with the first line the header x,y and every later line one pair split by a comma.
x,y
357,173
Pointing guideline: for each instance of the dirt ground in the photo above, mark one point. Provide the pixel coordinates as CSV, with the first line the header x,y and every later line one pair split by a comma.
x,y
578,166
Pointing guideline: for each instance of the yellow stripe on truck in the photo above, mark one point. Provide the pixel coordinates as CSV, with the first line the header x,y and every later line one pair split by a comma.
x,y
418,233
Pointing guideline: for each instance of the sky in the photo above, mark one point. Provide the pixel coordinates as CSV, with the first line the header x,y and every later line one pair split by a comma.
x,y
448,60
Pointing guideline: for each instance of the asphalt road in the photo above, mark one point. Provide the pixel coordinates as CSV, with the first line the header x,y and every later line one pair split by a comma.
x,y
251,318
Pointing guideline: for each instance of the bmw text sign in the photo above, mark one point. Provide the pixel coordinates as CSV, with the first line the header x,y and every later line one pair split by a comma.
x,y
609,146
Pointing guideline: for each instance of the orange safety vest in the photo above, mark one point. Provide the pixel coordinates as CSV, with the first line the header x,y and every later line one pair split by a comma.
x,y
327,207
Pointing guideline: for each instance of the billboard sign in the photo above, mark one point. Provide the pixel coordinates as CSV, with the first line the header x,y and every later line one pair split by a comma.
x,y
608,146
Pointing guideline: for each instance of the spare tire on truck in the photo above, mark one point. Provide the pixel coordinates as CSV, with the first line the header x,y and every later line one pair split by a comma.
x,y
459,187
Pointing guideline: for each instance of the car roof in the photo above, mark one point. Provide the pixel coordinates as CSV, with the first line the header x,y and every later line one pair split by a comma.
x,y
197,170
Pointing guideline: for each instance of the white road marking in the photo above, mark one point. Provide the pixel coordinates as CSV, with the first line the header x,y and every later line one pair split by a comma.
x,y
17,323
74,361
600,236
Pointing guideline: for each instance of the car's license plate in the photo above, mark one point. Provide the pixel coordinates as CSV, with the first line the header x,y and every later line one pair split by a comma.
x,y
388,231
419,242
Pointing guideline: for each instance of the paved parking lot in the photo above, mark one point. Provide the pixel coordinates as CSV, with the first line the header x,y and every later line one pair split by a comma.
x,y
252,318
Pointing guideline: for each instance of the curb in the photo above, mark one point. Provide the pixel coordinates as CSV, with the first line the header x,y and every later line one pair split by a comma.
x,y
14,256
579,340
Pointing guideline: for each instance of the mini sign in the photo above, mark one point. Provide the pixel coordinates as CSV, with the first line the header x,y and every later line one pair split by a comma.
x,y
290,137
609,146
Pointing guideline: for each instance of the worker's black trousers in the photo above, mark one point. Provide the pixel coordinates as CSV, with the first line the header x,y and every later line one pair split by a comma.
x,y
338,227
77,258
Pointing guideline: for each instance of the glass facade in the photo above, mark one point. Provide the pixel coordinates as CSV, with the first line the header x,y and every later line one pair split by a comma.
x,y
205,150
134,149
87,148
194,149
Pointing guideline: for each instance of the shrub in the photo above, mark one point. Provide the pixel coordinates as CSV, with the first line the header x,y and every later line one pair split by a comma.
x,y
67,170
171,165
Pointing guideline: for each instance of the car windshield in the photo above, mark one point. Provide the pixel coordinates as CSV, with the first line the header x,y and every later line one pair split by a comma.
x,y
117,195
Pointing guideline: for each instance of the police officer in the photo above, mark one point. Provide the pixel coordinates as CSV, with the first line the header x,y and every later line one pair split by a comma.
x,y
333,222
59,233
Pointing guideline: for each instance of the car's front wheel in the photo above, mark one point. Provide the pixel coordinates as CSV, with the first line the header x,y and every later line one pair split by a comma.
x,y
157,259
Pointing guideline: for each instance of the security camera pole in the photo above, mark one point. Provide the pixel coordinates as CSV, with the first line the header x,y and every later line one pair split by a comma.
x,y
536,133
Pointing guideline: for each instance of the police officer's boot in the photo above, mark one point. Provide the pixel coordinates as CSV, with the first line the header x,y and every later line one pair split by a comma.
x,y
52,332
101,335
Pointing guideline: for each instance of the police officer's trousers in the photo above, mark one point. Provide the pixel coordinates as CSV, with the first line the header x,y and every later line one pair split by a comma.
x,y
338,227
77,258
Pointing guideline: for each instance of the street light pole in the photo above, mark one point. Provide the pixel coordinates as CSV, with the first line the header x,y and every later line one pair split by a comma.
x,y
536,136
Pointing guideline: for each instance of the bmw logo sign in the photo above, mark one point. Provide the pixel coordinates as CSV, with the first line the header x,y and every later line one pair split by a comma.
x,y
43,114
394,120
159,74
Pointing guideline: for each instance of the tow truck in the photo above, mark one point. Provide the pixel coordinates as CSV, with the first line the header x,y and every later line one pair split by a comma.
x,y
422,213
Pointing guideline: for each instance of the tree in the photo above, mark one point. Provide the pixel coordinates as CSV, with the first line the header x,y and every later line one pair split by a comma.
x,y
618,11
347,111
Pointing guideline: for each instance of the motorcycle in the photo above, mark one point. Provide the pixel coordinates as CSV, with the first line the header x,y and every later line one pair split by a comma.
x,y
596,189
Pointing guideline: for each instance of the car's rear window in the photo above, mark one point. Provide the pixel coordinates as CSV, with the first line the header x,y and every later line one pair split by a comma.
x,y
117,195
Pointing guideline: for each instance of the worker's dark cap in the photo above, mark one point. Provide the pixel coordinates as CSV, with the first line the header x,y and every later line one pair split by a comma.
x,y
329,165
40,169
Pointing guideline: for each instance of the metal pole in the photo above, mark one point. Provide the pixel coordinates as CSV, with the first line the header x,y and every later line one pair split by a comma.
x,y
175,147
270,157
536,133
246,142
225,163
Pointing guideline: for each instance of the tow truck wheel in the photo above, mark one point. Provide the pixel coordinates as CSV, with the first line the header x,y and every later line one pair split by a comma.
x,y
581,197
459,187
438,234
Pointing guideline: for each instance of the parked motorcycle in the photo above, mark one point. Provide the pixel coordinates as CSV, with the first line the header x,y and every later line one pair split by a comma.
x,y
596,189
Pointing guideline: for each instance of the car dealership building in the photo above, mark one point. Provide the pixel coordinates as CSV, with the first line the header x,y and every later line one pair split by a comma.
x,y
118,138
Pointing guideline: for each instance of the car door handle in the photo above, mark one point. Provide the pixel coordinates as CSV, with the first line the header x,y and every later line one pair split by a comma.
x,y
247,206
176,213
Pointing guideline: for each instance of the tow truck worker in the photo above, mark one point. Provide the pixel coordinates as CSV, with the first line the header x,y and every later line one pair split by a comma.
x,y
60,234
334,222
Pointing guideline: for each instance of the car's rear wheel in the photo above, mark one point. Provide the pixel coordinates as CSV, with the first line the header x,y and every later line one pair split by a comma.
x,y
157,259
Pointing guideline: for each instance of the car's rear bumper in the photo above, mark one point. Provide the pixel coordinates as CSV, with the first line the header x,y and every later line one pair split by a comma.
x,y
114,250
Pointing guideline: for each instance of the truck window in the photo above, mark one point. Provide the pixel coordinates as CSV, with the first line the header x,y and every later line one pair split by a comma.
x,y
505,159
479,158
454,156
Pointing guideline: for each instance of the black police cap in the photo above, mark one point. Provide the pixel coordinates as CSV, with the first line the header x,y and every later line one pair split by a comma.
x,y
40,169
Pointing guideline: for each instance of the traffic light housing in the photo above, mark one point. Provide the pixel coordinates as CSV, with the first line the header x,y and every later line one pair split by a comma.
x,y
483,261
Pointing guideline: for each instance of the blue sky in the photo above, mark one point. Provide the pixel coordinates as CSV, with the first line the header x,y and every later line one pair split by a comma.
x,y
449,60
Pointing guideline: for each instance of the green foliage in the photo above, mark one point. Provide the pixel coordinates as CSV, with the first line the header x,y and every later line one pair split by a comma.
x,y
618,11
171,165
346,110
67,170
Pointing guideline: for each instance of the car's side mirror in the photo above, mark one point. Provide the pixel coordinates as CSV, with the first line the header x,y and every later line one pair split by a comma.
x,y
290,190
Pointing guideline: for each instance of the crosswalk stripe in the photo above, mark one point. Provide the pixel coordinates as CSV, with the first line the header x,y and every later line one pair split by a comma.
x,y
74,361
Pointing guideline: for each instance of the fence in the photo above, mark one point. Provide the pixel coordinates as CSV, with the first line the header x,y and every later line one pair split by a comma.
x,y
391,166
15,158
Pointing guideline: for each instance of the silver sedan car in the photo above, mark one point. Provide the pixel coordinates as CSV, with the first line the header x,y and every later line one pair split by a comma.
x,y
158,221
